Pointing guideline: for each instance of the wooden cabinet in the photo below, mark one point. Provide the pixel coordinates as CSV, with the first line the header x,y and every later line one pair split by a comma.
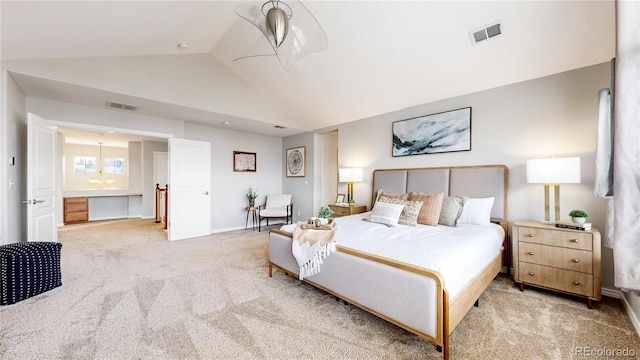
x,y
347,210
76,210
558,259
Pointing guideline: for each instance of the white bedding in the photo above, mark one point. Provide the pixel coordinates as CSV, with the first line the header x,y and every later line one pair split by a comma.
x,y
457,253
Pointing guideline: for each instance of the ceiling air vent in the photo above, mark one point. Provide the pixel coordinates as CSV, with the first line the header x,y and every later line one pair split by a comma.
x,y
121,106
278,127
486,32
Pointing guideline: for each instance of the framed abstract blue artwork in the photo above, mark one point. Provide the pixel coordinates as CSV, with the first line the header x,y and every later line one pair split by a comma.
x,y
447,131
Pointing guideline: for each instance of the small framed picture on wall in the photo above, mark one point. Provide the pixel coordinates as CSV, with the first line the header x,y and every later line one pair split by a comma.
x,y
244,161
296,161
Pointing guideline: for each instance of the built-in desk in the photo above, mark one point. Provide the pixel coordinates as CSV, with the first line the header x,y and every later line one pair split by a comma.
x,y
107,204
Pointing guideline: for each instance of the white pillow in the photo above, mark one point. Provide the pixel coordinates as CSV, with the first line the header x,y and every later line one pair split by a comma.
x,y
477,211
386,213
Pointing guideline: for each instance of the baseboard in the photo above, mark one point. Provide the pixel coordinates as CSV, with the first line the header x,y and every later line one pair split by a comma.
x,y
613,293
632,315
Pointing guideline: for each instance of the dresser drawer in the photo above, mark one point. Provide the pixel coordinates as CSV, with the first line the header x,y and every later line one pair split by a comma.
x,y
569,239
563,280
74,200
340,211
557,257
76,207
76,217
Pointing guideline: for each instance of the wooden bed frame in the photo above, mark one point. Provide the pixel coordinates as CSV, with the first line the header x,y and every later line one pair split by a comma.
x,y
449,311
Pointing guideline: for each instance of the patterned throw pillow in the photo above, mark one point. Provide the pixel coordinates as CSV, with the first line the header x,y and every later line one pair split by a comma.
x,y
394,196
431,207
386,213
410,212
451,209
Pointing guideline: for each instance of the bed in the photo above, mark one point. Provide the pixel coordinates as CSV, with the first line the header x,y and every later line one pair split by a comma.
x,y
422,293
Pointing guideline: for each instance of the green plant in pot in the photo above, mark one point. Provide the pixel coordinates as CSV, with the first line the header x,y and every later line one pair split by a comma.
x,y
252,195
578,216
324,214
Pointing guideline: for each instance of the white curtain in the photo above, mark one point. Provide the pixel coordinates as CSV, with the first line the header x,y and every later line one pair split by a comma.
x,y
626,237
603,186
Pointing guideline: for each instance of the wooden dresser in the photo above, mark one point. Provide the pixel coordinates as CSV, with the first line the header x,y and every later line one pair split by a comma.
x,y
76,210
559,259
347,210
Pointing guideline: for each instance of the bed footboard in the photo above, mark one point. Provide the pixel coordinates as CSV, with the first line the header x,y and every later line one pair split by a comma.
x,y
420,303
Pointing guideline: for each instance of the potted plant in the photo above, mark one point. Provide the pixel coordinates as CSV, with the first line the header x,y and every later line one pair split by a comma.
x,y
324,214
252,195
578,216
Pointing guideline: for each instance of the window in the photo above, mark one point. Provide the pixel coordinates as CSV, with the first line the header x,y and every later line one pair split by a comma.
x,y
84,164
114,165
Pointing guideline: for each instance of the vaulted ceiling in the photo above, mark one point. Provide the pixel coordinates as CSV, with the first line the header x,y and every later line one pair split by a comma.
x,y
382,56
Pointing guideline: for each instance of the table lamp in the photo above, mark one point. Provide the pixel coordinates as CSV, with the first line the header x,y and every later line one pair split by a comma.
x,y
553,172
350,175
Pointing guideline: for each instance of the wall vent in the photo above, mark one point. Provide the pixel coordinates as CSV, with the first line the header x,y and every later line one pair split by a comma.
x,y
121,106
278,126
486,32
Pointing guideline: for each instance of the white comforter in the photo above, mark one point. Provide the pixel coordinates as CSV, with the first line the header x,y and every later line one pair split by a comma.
x,y
457,253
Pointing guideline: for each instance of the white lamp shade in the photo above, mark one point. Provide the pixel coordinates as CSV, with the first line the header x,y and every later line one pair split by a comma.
x,y
554,170
350,175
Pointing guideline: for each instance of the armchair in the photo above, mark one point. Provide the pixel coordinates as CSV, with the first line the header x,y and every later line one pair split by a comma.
x,y
276,207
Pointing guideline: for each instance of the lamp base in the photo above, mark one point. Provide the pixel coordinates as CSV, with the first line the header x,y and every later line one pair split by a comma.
x,y
548,222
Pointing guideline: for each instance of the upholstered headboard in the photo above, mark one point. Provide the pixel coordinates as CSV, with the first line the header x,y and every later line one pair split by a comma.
x,y
473,181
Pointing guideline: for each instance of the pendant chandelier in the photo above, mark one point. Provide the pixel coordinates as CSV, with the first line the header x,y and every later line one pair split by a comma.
x,y
100,181
291,31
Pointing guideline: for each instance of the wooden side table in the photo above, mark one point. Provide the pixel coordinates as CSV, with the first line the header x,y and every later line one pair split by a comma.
x,y
558,259
253,210
339,210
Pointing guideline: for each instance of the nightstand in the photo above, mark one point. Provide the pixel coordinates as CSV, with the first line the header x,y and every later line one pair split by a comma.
x,y
558,259
347,210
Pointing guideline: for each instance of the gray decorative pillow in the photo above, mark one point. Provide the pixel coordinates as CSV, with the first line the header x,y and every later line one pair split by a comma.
x,y
386,213
452,207
410,212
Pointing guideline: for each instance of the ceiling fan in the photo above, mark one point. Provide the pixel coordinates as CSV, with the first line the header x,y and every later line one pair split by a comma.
x,y
289,28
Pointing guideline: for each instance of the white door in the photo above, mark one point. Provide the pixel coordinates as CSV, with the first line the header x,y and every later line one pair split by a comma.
x,y
189,189
41,184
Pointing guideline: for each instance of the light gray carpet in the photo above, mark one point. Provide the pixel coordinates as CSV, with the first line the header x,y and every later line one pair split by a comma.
x,y
129,294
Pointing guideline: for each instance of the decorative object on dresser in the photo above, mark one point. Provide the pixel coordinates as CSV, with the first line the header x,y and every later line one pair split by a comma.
x,y
296,161
559,259
553,172
578,216
447,131
340,200
350,175
76,210
345,210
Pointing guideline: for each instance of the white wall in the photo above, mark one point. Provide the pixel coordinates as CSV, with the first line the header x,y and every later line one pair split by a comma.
x,y
550,116
135,167
302,189
228,188
13,129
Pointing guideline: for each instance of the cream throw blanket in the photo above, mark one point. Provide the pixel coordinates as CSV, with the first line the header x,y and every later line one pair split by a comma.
x,y
310,246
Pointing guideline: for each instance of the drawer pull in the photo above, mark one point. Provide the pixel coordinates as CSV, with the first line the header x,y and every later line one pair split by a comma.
x,y
530,252
575,261
531,274
574,241
529,235
576,283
